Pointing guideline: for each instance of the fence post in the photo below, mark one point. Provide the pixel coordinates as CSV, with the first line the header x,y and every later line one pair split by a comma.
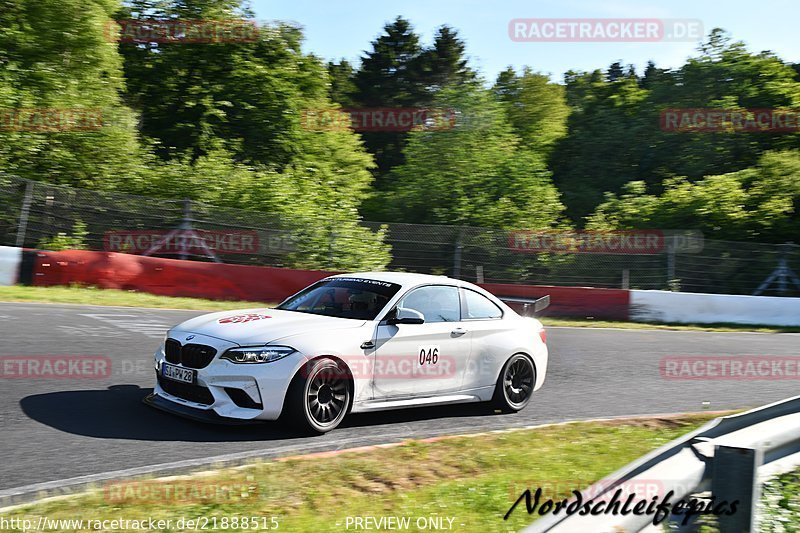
x,y
331,247
186,225
735,477
24,214
671,263
457,254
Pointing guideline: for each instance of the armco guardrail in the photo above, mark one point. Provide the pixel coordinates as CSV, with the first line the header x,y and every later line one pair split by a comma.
x,y
723,457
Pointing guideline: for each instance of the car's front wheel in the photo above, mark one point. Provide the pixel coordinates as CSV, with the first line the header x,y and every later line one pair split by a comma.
x,y
318,398
515,384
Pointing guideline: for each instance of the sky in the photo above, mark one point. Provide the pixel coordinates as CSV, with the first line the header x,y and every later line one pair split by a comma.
x,y
337,29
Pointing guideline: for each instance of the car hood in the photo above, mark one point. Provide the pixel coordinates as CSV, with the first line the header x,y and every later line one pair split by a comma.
x,y
260,326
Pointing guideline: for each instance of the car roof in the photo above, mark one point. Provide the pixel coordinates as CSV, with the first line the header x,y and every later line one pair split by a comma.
x,y
406,279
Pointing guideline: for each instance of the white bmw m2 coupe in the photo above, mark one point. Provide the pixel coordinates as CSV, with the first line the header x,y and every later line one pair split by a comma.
x,y
352,343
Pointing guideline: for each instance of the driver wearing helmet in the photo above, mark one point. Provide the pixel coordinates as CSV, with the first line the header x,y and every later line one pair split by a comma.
x,y
361,303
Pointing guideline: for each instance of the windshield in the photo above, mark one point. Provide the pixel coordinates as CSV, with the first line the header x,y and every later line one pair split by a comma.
x,y
356,298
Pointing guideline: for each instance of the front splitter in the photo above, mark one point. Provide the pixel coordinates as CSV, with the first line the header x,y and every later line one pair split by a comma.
x,y
199,415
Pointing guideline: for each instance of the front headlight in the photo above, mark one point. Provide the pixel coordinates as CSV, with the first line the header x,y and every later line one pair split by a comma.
x,y
257,354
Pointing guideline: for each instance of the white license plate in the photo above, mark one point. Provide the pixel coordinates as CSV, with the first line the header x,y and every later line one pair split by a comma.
x,y
176,373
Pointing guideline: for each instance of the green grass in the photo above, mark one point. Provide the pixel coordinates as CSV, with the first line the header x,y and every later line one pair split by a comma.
x,y
472,479
95,296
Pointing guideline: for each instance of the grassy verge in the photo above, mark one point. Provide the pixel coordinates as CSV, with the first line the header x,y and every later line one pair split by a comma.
x,y
95,296
472,480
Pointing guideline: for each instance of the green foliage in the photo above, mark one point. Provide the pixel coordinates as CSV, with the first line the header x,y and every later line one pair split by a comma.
x,y
315,198
614,129
246,97
474,174
222,123
536,108
399,72
342,89
759,203
779,507
55,57
63,241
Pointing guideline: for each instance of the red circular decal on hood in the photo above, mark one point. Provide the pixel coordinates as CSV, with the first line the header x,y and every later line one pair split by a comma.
x,y
241,319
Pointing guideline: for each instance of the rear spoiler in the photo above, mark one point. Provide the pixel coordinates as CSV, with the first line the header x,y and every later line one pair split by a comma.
x,y
538,304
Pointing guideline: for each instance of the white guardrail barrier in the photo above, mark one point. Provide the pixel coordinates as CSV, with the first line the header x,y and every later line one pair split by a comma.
x,y
701,308
727,460
10,260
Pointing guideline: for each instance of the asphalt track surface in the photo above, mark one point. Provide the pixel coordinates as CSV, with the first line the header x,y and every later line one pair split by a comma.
x,y
54,430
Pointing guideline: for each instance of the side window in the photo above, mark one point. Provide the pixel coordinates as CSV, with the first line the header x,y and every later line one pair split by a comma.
x,y
478,306
438,303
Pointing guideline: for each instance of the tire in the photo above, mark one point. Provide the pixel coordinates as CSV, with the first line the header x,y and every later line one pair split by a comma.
x,y
515,384
318,398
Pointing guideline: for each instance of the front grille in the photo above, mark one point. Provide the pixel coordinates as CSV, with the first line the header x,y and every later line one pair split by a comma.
x,y
187,391
172,350
197,355
190,356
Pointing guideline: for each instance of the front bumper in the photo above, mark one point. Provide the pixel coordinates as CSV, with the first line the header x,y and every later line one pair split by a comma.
x,y
200,415
264,384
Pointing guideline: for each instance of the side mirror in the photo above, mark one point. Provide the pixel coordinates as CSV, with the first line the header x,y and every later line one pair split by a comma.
x,y
404,315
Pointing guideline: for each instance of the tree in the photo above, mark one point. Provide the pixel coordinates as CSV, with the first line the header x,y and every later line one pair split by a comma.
x,y
56,61
246,97
389,76
444,64
536,108
389,73
399,73
342,88
758,203
652,75
474,174
615,72
314,199
615,135
606,144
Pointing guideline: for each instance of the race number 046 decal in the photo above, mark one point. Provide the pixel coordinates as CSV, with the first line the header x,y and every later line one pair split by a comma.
x,y
428,355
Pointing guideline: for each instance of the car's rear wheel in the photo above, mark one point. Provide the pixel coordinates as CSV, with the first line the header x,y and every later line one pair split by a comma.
x,y
319,397
515,384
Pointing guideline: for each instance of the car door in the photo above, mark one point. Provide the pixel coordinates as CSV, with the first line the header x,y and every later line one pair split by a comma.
x,y
488,335
415,360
